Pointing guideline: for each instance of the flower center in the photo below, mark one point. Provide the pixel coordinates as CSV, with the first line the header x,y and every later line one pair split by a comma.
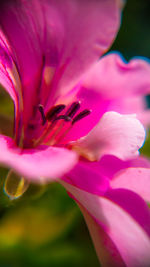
x,y
58,123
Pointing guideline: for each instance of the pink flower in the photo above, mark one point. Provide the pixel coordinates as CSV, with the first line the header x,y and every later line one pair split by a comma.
x,y
75,117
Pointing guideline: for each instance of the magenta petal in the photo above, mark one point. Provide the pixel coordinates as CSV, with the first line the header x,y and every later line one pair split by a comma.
x,y
144,117
18,25
10,80
115,165
115,134
87,176
40,164
8,74
106,250
136,179
126,79
128,235
89,28
59,30
92,100
133,204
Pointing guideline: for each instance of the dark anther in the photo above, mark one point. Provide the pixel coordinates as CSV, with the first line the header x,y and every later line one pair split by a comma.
x,y
73,109
63,117
54,111
81,115
41,109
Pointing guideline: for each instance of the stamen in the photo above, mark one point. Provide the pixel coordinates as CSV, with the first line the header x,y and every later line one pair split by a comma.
x,y
63,117
73,109
54,111
57,128
41,109
81,115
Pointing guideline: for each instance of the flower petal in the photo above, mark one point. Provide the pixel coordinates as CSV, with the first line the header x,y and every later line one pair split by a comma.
x,y
129,82
144,117
106,250
88,177
91,26
115,134
129,237
8,73
126,78
133,204
92,100
40,164
135,179
20,29
69,34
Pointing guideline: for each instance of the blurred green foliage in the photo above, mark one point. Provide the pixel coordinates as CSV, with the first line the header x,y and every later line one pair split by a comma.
x,y
134,38
45,227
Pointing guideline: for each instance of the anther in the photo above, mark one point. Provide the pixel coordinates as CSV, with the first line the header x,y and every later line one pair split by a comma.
x,y
73,109
54,111
63,117
41,109
81,115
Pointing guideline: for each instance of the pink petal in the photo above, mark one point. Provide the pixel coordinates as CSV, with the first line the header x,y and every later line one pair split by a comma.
x,y
17,20
88,176
106,250
40,164
133,204
128,235
9,77
126,79
144,117
66,35
115,134
5,63
93,101
89,30
115,165
135,179
124,94
97,178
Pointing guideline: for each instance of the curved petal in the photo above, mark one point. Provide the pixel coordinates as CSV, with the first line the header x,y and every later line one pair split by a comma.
x,y
135,179
133,204
131,240
22,32
87,176
93,101
5,66
129,82
40,164
70,35
144,117
90,27
106,250
9,79
126,78
115,134
103,177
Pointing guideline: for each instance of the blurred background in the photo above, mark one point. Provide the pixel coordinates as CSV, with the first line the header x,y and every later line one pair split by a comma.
x,y
45,227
